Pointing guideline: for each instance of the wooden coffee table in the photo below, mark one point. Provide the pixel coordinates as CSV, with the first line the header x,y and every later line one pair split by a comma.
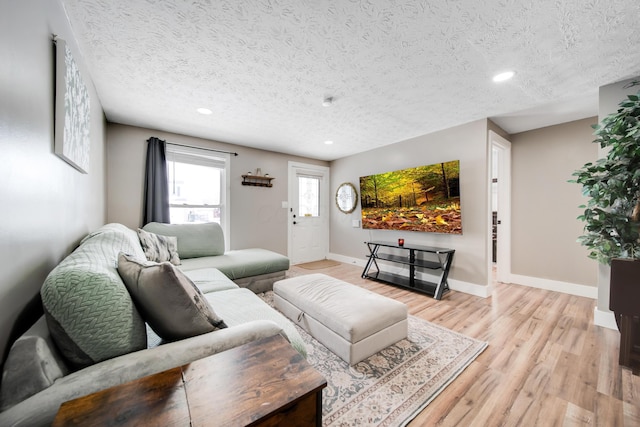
x,y
265,383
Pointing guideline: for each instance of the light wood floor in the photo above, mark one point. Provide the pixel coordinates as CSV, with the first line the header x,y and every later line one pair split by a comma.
x,y
546,364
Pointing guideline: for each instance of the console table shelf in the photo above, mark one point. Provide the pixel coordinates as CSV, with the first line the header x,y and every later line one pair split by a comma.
x,y
433,265
441,261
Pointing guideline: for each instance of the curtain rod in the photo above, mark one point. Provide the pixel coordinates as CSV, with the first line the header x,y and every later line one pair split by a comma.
x,y
202,148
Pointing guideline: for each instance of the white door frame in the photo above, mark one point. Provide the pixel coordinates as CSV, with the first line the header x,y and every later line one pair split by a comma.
x,y
294,167
503,256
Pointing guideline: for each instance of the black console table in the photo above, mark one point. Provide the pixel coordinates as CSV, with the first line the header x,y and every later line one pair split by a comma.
x,y
441,260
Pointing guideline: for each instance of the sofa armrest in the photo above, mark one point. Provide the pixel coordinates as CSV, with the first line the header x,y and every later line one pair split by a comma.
x,y
41,408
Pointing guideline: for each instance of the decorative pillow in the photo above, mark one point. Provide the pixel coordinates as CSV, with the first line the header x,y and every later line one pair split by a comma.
x,y
171,303
159,248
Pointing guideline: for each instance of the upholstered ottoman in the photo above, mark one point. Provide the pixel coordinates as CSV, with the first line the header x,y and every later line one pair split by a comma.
x,y
350,321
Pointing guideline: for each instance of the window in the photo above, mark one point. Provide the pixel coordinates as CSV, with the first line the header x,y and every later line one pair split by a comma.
x,y
197,186
308,195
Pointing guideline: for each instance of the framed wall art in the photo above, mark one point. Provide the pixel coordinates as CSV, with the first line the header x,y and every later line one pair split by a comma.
x,y
72,110
425,198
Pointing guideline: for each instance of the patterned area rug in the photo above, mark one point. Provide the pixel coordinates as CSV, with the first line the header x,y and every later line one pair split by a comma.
x,y
391,387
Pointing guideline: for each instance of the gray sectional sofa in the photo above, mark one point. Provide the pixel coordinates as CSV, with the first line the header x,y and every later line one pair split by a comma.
x,y
93,335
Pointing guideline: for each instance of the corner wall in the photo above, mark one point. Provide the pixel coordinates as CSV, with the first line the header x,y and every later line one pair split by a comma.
x,y
257,216
467,143
545,206
47,205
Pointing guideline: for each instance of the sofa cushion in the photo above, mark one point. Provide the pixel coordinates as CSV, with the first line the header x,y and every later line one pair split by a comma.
x,y
159,248
241,263
172,304
88,309
238,306
194,240
210,280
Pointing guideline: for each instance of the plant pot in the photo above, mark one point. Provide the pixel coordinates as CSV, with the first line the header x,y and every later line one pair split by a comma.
x,y
624,301
624,291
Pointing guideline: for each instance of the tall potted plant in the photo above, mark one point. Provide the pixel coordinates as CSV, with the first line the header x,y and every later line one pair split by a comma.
x,y
612,214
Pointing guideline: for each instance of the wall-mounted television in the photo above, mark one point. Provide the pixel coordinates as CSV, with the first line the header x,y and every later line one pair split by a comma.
x,y
425,198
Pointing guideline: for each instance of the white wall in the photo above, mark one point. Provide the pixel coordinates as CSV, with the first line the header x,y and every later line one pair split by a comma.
x,y
467,143
257,216
545,204
47,206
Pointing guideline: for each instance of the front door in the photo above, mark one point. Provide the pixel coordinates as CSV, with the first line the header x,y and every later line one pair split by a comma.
x,y
308,212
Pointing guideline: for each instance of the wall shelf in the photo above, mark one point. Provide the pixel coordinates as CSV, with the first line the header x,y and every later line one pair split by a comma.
x,y
257,180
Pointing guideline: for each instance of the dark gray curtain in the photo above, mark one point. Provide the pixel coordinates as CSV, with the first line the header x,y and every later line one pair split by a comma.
x,y
156,187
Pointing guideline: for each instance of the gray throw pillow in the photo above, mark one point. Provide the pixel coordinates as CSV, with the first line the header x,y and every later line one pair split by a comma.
x,y
168,300
159,248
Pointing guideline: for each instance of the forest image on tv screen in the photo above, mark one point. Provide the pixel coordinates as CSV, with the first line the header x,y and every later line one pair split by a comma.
x,y
426,198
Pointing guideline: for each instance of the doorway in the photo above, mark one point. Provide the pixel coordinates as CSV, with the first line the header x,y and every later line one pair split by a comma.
x,y
500,208
308,212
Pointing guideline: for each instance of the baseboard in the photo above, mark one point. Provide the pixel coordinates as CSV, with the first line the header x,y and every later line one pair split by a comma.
x,y
470,288
347,260
606,319
458,285
555,285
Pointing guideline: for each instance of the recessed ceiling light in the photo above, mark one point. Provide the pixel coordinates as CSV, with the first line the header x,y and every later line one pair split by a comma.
x,y
204,111
327,101
503,76
328,142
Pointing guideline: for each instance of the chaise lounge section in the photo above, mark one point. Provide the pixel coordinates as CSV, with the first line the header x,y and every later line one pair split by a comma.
x,y
202,246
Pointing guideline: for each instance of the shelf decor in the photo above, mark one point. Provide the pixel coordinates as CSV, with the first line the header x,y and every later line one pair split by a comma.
x,y
257,180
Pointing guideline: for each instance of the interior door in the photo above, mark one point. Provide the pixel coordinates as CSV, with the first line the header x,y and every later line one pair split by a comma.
x,y
308,213
501,163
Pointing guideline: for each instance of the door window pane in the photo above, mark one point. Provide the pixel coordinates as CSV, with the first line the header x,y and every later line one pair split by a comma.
x,y
308,196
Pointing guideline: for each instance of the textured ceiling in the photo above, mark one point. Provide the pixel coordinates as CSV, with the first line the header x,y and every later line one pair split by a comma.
x,y
395,68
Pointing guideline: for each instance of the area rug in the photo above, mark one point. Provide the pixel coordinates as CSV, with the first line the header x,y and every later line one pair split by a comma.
x,y
391,387
316,265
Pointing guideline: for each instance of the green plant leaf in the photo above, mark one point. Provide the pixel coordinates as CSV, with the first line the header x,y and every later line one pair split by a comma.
x,y
611,185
